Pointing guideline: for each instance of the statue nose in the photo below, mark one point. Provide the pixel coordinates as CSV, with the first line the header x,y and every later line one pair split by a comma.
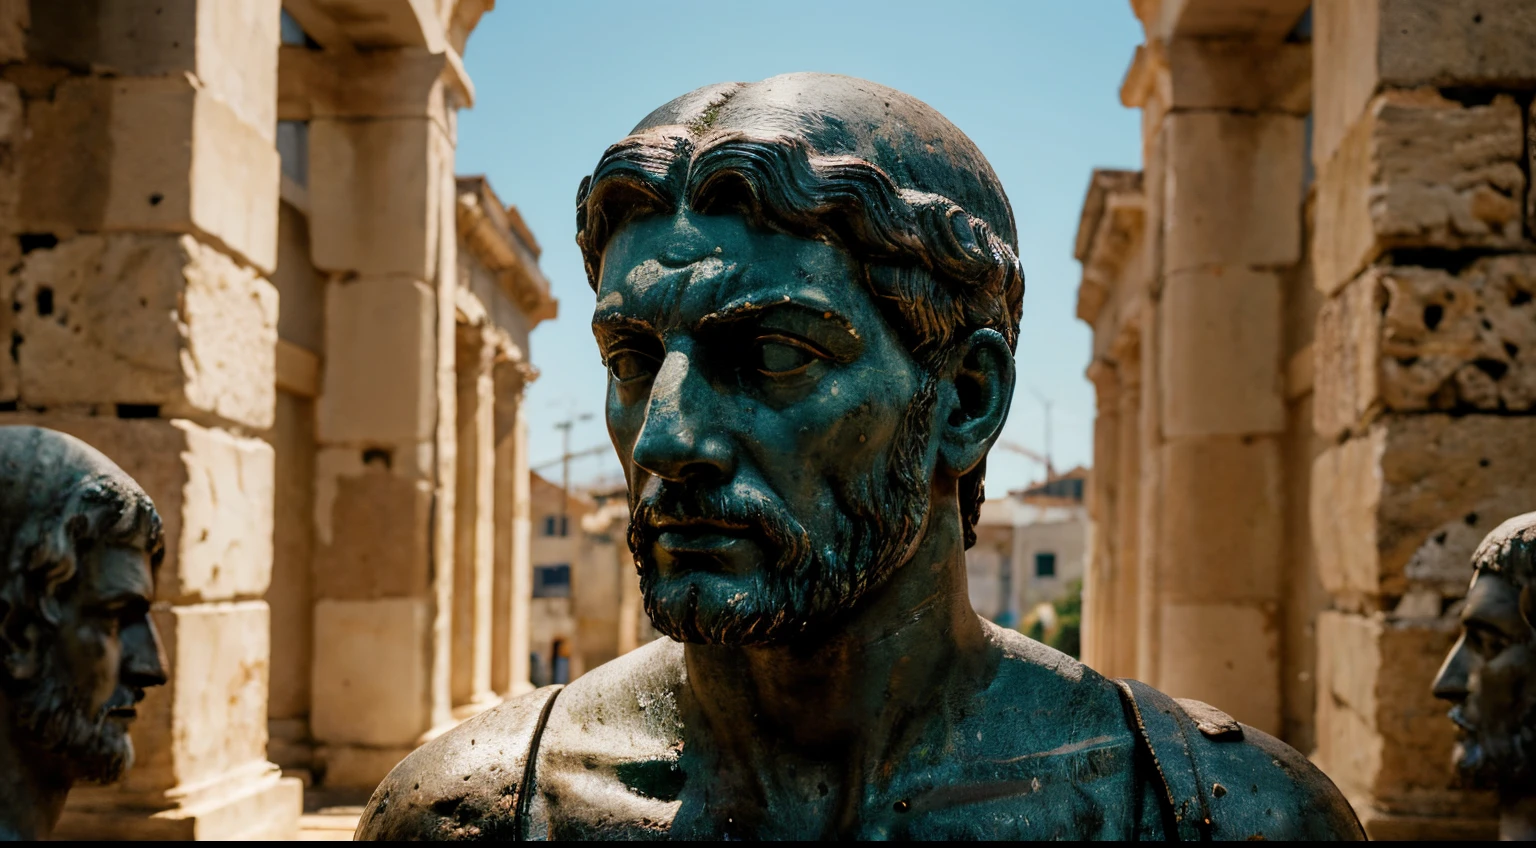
x,y
682,438
1451,683
143,655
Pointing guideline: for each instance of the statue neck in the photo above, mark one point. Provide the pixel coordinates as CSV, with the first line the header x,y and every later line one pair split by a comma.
x,y
31,796
1517,819
856,697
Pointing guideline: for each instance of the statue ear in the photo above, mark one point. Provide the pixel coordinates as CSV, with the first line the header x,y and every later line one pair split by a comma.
x,y
982,380
18,653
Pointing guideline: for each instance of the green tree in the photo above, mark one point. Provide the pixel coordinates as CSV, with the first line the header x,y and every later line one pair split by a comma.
x,y
1067,636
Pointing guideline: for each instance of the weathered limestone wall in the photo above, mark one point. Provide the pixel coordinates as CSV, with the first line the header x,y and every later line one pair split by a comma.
x,y
1231,227
1425,382
1189,283
501,296
1302,594
379,102
138,222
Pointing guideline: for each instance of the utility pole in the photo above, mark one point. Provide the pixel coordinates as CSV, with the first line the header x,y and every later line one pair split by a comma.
x,y
1050,470
565,465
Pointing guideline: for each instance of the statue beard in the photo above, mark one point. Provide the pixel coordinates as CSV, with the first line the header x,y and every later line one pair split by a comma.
x,y
1501,758
807,587
54,718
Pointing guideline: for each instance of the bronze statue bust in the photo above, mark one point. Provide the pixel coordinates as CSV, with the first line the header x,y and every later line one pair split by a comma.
x,y
1490,675
79,541
808,298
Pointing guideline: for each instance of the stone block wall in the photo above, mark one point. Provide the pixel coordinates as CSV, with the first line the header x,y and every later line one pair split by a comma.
x,y
1424,254
137,232
381,227
1192,345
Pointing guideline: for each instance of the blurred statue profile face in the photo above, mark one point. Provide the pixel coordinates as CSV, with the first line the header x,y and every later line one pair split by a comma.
x,y
773,427
1490,678
92,676
78,544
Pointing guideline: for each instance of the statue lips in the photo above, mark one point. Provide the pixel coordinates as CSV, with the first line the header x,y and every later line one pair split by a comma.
x,y
1460,720
124,703
727,545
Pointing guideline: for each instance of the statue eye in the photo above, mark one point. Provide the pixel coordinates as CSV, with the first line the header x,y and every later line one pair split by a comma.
x,y
627,365
780,357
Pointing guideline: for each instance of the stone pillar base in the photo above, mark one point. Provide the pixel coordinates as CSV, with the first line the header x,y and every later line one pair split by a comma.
x,y
465,712
261,809
365,766
357,766
1392,827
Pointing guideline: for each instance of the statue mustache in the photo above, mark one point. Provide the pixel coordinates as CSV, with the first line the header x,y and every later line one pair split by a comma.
x,y
752,510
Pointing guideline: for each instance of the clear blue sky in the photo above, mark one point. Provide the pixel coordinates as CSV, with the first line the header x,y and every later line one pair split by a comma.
x,y
1033,82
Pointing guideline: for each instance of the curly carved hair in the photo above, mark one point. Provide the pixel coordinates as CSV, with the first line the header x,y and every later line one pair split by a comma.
x,y
937,271
61,498
1510,552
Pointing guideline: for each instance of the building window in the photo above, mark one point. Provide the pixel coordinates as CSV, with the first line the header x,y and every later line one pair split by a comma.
x,y
560,663
552,581
293,150
557,525
1045,565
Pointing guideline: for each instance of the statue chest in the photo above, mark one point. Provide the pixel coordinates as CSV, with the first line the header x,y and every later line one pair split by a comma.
x,y
1083,789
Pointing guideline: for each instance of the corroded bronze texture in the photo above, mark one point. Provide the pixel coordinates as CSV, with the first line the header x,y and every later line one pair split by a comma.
x,y
1490,675
79,542
808,299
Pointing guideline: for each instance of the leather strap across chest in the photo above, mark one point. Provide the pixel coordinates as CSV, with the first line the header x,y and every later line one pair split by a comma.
x,y
1168,733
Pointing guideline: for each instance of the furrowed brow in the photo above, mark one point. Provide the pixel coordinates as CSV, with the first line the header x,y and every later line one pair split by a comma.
x,y
611,324
753,310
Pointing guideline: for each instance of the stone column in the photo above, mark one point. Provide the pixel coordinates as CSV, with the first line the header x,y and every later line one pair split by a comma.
x,y
1124,627
512,590
473,517
1225,193
138,215
382,225
1098,600
1149,505
1425,383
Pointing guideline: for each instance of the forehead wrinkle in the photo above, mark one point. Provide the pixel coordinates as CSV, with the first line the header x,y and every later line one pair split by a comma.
x,y
662,294
704,279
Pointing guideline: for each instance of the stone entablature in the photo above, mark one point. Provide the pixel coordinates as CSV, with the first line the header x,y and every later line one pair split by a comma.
x,y
505,246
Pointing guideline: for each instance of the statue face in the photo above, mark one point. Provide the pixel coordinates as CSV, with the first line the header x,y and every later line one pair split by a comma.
x,y
93,671
1490,676
778,465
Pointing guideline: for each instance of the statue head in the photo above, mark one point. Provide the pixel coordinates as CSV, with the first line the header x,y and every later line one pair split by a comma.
x,y
79,543
1490,674
808,298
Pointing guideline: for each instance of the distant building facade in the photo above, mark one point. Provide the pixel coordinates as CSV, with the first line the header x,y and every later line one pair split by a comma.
x,y
1030,547
586,594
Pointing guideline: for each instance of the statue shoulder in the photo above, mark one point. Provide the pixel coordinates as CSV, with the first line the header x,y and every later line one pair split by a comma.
x,y
1226,780
466,784
1274,790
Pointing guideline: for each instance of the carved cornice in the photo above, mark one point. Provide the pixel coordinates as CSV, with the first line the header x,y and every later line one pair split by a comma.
x,y
1112,220
501,241
1141,78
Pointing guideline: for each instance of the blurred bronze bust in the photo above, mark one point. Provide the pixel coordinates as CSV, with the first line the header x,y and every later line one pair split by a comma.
x,y
808,299
1490,675
79,541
